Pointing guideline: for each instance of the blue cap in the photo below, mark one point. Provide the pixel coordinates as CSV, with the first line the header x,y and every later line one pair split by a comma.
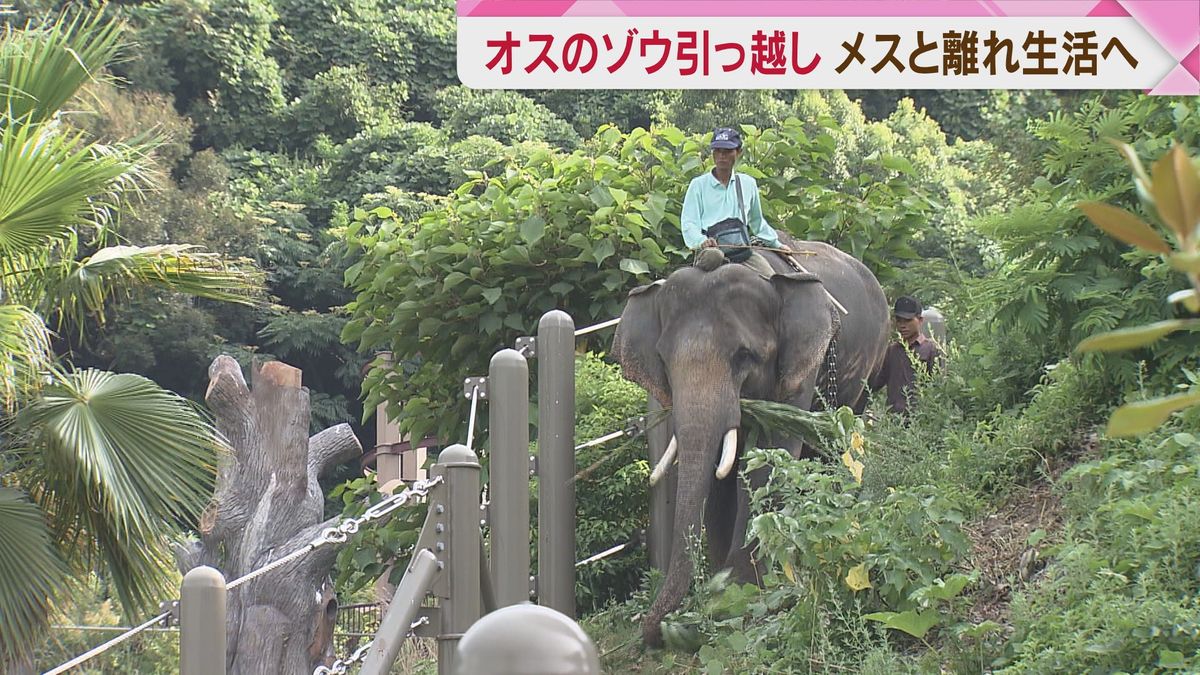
x,y
726,139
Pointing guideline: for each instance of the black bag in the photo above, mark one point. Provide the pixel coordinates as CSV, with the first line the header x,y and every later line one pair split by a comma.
x,y
731,234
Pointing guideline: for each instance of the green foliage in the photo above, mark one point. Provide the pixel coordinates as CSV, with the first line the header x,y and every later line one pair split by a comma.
x,y
408,155
338,104
1058,280
507,116
812,523
576,232
243,99
611,495
589,109
1121,592
1174,193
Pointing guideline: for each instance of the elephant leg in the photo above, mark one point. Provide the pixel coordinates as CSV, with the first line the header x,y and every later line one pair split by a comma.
x,y
719,514
746,569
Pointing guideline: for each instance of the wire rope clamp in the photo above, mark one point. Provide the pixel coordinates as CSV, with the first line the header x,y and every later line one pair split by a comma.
x,y
171,609
472,383
635,426
527,346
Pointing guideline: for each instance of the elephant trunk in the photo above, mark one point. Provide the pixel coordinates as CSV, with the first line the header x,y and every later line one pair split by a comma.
x,y
703,417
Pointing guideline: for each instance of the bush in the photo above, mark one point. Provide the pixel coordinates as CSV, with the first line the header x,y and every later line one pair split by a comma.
x,y
1121,593
507,116
612,500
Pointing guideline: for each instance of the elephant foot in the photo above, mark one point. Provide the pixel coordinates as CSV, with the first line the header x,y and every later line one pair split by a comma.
x,y
652,632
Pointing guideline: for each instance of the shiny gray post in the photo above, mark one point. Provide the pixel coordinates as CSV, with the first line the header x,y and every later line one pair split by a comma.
x,y
461,542
556,462
662,496
508,433
400,615
202,622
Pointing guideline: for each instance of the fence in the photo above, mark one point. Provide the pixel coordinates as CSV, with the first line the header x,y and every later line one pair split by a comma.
x,y
451,562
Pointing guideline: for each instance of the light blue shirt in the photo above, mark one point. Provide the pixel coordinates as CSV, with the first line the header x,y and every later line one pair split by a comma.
x,y
708,202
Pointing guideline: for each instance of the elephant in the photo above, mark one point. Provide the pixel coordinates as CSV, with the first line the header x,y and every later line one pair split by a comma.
x,y
699,341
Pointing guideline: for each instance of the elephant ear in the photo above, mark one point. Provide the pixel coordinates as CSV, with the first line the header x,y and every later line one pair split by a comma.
x,y
636,340
805,328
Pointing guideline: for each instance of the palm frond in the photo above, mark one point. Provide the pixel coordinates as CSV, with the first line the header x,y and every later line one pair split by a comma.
x,y
53,181
771,418
25,353
120,270
31,573
123,464
43,68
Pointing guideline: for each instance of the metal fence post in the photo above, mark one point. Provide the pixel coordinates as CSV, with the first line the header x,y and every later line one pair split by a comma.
x,y
459,548
508,431
556,462
405,604
662,495
202,623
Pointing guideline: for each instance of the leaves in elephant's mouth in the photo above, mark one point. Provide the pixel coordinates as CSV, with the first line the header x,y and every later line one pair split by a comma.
x,y
765,418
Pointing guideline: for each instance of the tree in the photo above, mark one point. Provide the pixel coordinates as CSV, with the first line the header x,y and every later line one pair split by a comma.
x,y
96,468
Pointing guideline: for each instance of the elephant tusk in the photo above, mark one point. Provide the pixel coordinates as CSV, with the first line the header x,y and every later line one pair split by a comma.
x,y
728,453
665,462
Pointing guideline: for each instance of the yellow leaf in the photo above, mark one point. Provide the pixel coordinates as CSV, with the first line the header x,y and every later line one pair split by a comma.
x,y
857,578
1170,174
1137,336
1124,226
1185,262
855,466
1188,178
856,442
1133,419
789,572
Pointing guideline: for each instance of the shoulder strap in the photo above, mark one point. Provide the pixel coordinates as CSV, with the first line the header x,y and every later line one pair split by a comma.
x,y
737,185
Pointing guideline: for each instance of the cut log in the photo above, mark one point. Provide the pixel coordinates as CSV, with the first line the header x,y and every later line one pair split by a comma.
x,y
268,503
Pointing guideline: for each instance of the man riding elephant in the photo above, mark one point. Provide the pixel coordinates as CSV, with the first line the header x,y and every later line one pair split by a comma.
x,y
705,338
723,203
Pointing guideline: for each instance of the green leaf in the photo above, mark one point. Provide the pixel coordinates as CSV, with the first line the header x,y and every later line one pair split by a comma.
x,y
915,623
453,279
1171,659
532,229
1133,419
600,196
1124,226
898,163
603,250
492,295
618,195
634,266
1137,336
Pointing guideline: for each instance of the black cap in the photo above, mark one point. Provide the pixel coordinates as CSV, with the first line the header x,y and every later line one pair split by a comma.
x,y
906,307
726,139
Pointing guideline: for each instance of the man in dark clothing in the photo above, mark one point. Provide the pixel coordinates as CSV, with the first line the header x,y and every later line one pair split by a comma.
x,y
897,372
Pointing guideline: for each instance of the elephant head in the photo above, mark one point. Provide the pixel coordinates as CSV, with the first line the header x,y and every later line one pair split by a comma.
x,y
699,342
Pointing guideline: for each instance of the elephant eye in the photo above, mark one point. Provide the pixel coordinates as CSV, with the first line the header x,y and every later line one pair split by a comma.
x,y
746,355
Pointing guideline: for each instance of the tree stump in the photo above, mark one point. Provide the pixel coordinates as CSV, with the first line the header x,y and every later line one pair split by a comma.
x,y
267,503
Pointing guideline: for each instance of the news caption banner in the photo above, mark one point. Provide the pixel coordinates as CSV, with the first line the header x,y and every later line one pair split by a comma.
x,y
1147,45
